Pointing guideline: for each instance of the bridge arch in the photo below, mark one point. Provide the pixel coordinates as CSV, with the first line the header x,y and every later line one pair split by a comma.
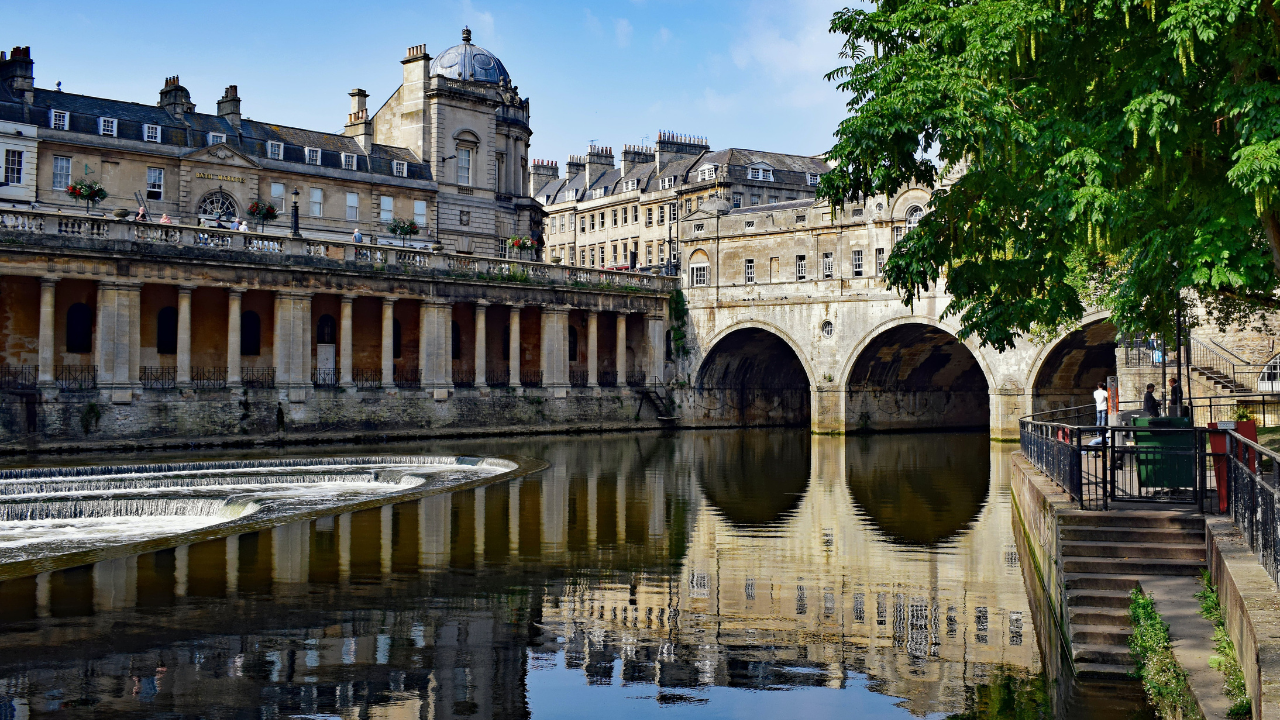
x,y
755,374
913,373
1066,371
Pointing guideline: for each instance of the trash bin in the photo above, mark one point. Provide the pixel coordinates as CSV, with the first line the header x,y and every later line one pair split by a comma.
x,y
1165,460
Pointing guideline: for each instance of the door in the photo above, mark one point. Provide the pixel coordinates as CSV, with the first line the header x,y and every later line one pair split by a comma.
x,y
326,357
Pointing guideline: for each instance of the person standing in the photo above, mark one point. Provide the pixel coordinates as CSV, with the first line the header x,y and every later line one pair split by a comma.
x,y
1175,398
356,237
1150,405
1100,404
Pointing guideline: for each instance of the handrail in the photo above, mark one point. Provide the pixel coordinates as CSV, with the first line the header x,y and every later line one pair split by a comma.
x,y
1202,356
1238,360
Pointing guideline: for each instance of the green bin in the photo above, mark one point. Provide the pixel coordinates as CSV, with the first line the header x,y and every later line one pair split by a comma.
x,y
1157,468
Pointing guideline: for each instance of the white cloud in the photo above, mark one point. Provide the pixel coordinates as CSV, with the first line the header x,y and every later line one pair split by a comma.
x,y
622,27
592,22
664,35
480,22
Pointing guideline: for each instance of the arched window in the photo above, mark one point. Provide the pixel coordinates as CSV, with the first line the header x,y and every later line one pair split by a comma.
x,y
1269,379
326,330
217,205
573,344
79,329
167,331
456,341
914,213
250,333
395,339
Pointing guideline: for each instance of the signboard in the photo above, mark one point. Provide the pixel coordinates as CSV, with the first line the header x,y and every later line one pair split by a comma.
x,y
220,178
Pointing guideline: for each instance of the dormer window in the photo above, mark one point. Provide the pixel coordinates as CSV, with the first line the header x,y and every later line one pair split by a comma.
x,y
760,173
275,150
399,168
706,172
107,126
313,156
668,182
813,178
547,200
216,138
597,193
348,161
569,195
59,119
630,185
151,133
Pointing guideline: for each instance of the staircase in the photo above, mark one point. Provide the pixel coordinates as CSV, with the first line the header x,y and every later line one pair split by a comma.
x,y
1221,381
1105,555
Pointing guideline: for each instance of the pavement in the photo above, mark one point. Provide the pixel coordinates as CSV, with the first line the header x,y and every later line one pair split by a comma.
x,y
1192,638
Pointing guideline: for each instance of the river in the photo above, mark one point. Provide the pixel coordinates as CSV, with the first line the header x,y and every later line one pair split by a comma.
x,y
707,574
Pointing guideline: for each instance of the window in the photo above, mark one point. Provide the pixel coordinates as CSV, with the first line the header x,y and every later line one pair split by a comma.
x,y
857,263
593,256
668,182
317,202
801,269
750,274
59,119
562,217
582,257
326,330
353,206
597,193
828,328
216,138
464,166
79,328
569,194
648,217
61,172
624,215
813,178
698,273
601,219
386,207
630,185
420,213
671,210
751,224
107,126
800,218
773,199
593,222
914,213
755,200
662,214
455,335
399,168
615,253
582,223
879,260
313,156
737,200
828,266
13,167
635,214
348,161
155,183
688,207
250,333
277,195
151,133
698,228
760,174
167,331
648,254
464,217
275,150
615,217
897,234
707,172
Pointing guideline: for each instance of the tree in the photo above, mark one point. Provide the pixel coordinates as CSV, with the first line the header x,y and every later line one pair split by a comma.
x,y
1102,152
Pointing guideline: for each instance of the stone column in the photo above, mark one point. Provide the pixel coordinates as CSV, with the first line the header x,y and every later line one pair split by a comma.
x,y
104,335
184,336
593,352
233,337
513,519
388,347
279,339
344,342
656,325
113,335
135,333
302,346
293,345
233,564
621,350
481,351
513,347
425,316
45,376
479,520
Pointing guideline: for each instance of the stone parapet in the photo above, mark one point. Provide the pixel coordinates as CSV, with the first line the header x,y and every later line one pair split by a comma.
x,y
1251,610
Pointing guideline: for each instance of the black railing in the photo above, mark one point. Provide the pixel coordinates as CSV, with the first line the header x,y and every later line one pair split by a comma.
x,y
157,377
324,377
73,378
208,378
1253,481
530,378
607,378
636,378
258,377
464,377
577,378
408,378
367,378
497,377
18,377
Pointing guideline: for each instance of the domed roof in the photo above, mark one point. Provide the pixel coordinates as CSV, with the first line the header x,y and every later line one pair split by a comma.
x,y
469,62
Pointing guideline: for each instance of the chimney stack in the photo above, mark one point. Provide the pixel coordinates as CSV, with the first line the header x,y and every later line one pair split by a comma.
x,y
359,125
542,172
599,162
17,72
229,106
575,166
175,99
674,146
634,156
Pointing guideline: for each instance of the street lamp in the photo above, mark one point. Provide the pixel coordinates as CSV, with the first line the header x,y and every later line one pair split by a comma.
x,y
294,223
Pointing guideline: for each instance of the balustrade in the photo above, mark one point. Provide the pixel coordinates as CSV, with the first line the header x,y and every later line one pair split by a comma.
x,y
636,378
18,377
530,378
577,378
251,377
464,377
209,378
367,378
324,377
408,378
73,378
154,377
497,377
607,378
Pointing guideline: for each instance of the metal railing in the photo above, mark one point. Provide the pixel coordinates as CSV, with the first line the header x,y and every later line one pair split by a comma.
x,y
158,377
577,378
209,378
324,377
607,378
530,378
18,377
1217,364
464,377
497,376
73,378
1253,483
408,378
366,378
258,377
636,378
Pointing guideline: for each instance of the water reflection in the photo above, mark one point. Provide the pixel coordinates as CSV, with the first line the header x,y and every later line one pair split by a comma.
x,y
639,571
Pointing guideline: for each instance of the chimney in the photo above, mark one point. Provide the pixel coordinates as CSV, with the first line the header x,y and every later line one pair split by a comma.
x,y
17,72
175,99
229,106
674,146
575,166
416,63
542,172
359,126
635,155
599,162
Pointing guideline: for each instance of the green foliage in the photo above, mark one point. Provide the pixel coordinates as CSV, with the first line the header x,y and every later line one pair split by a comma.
x,y
1241,414
1093,153
678,308
1224,660
1163,679
1007,696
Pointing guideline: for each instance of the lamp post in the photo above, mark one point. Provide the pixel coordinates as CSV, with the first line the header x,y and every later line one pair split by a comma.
x,y
294,220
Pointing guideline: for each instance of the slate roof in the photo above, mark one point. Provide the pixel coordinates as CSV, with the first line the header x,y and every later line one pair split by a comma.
x,y
771,207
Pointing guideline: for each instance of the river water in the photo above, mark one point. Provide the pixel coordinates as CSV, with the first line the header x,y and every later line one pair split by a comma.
x,y
720,574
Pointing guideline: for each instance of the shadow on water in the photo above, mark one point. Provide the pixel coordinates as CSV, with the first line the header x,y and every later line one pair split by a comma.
x,y
692,573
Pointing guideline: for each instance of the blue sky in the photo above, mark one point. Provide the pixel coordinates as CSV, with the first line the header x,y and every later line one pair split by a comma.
x,y
743,74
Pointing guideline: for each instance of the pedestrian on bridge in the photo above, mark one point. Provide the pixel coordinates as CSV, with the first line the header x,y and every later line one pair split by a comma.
x,y
1100,403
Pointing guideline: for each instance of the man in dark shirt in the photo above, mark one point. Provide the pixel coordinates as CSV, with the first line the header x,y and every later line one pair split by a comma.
x,y
1175,398
1150,405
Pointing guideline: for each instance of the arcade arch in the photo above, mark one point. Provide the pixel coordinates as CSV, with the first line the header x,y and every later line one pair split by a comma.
x,y
753,376
1071,368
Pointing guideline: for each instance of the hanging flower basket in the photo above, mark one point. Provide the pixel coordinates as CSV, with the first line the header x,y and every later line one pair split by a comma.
x,y
403,228
90,191
263,212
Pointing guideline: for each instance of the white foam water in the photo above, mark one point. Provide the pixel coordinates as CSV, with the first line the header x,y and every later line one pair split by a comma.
x,y
55,536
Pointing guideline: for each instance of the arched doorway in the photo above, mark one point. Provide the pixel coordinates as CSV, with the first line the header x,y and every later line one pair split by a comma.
x,y
1072,369
753,377
916,376
217,205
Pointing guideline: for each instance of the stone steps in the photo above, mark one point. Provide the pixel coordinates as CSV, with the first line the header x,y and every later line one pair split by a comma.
x,y
1135,550
1115,635
1127,566
1081,533
1103,671
1099,598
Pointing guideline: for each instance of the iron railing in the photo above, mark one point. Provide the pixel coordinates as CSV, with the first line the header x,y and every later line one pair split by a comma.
x,y
324,377
464,377
18,377
367,378
577,378
636,378
73,378
258,377
530,378
607,378
158,377
1218,365
408,378
209,378
1253,482
497,377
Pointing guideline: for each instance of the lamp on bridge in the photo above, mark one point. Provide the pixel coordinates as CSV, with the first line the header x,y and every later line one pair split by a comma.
x,y
294,226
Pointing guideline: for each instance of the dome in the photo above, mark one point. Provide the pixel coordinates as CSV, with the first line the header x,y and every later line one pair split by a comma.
x,y
469,62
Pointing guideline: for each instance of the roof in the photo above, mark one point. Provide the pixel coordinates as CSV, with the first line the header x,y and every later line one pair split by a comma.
x,y
772,207
470,62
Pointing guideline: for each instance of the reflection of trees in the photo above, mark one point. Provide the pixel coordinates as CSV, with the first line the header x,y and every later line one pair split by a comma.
x,y
913,490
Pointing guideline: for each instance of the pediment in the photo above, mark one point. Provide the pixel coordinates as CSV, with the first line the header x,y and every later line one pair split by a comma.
x,y
224,155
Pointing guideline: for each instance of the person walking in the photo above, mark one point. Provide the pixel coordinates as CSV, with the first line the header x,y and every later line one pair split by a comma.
x,y
1100,404
356,237
1150,405
1175,398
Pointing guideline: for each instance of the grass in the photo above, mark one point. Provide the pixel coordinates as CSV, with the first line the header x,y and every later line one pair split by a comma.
x,y
1163,679
1224,660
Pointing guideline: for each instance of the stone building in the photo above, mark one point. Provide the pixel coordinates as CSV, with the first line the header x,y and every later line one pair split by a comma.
x,y
606,216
